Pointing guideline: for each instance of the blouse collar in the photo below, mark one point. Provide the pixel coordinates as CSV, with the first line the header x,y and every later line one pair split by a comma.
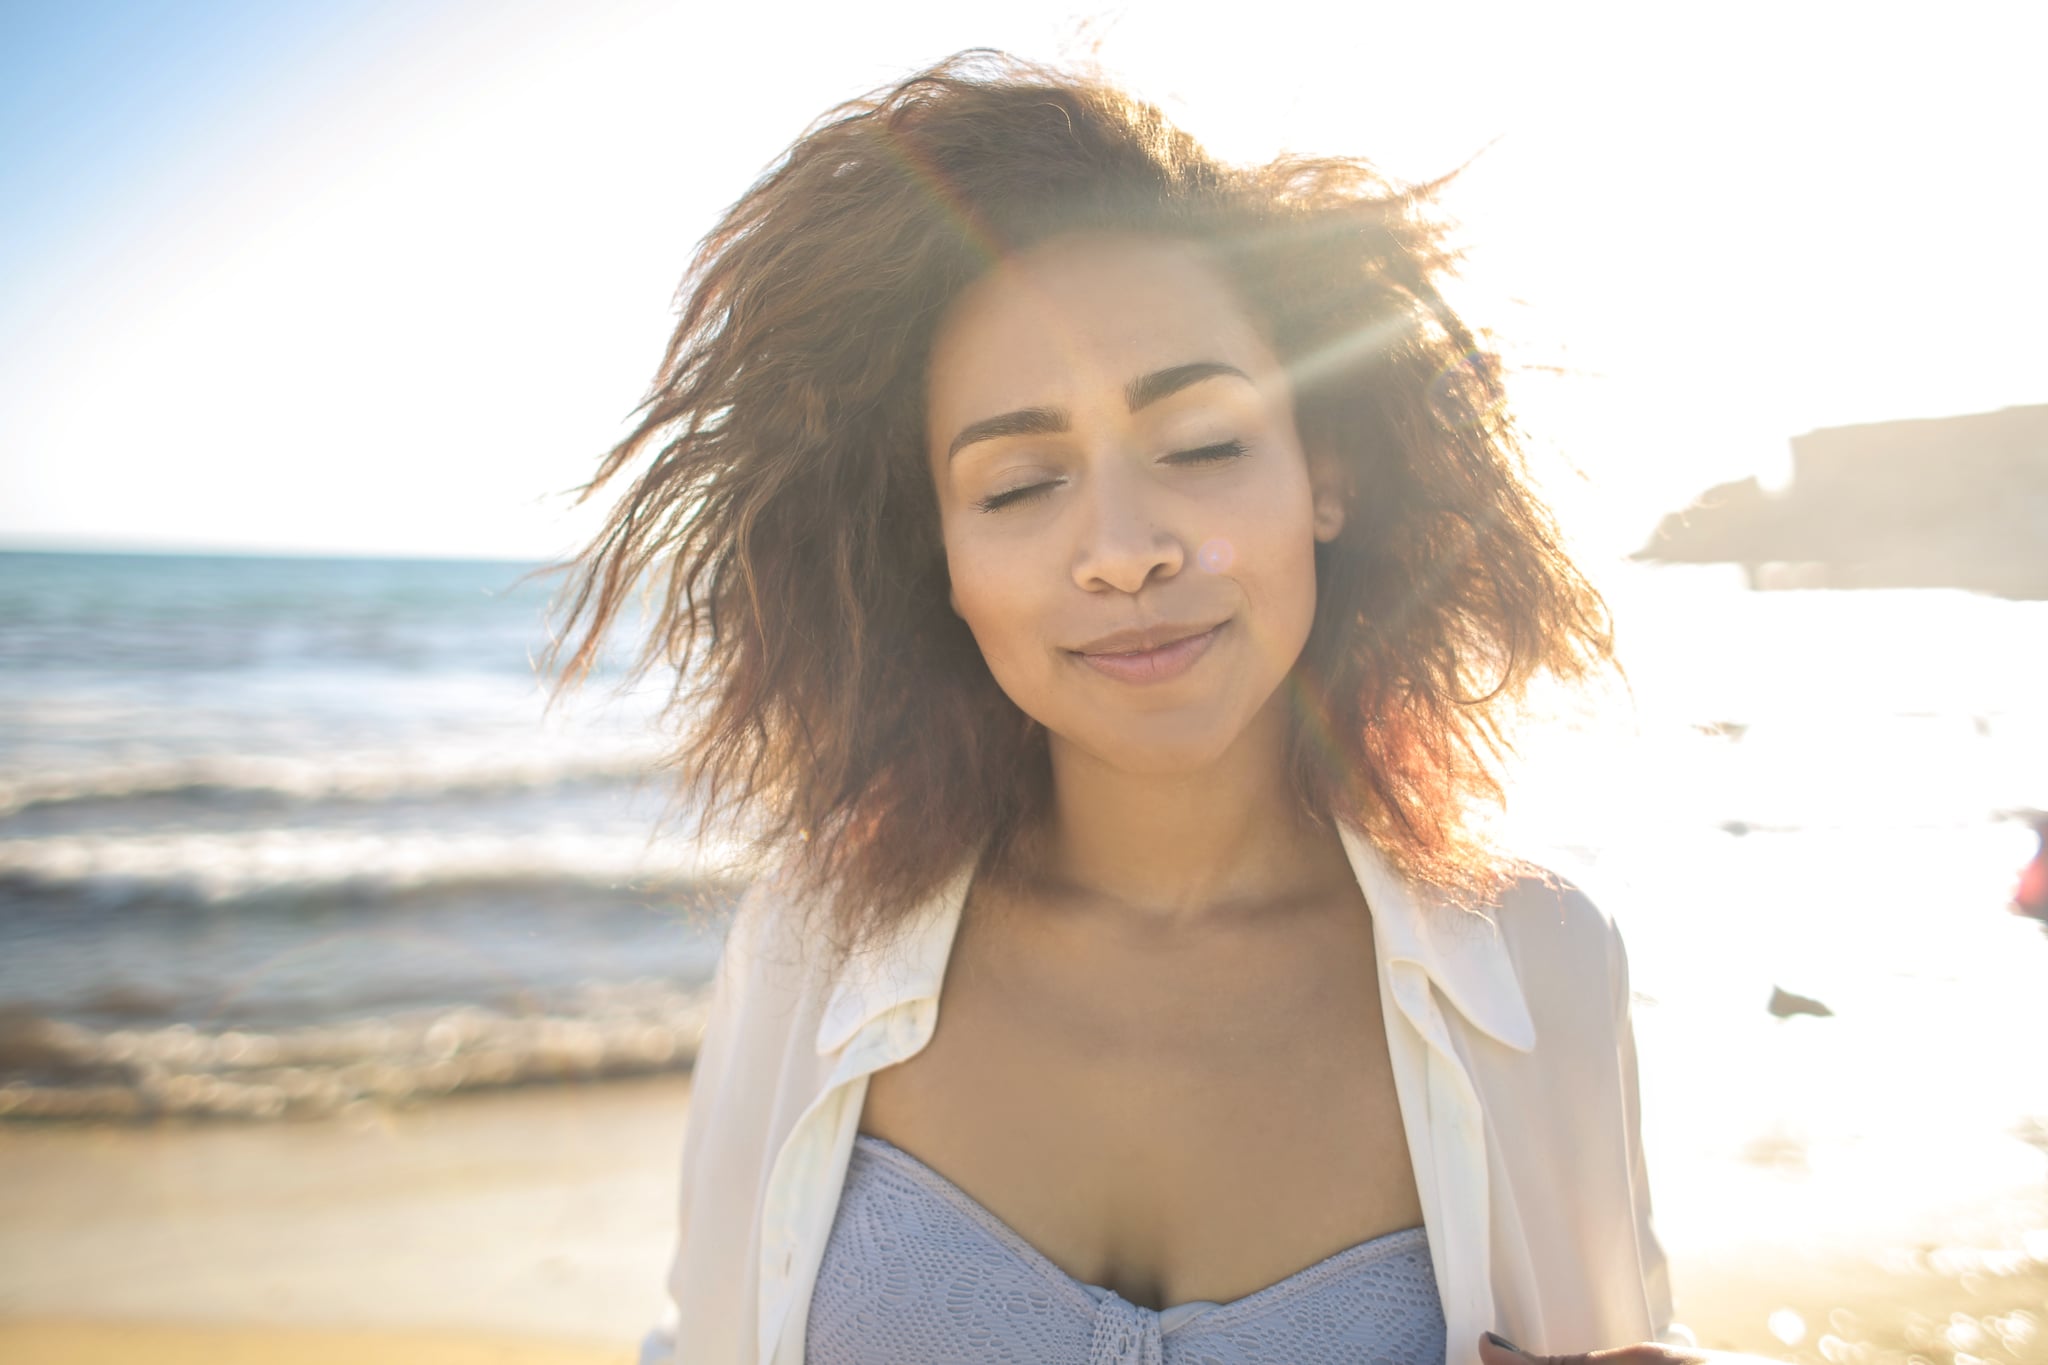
x,y
1460,950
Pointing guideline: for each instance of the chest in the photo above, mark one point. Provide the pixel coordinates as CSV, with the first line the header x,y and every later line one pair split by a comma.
x,y
1177,1117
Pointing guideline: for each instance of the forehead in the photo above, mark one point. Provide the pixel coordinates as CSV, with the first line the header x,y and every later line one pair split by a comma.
x,y
1073,320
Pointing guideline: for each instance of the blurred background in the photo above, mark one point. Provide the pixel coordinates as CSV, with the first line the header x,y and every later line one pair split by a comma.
x,y
347,992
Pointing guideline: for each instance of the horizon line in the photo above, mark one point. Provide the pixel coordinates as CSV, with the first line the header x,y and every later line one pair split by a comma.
x,y
106,545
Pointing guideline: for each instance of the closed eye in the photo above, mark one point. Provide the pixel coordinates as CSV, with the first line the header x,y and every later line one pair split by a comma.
x,y
995,502
1010,497
1224,450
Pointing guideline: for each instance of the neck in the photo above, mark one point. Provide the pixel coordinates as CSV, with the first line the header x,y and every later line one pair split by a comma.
x,y
1225,837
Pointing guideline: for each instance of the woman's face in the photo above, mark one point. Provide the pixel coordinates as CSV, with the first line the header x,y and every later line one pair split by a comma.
x,y
1129,517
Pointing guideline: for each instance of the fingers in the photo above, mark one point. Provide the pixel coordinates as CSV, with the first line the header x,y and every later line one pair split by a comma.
x,y
1495,1349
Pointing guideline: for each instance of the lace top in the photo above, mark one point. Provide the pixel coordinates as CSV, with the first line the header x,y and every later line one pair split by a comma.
x,y
916,1271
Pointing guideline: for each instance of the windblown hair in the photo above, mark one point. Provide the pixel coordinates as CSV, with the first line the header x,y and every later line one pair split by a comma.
x,y
779,508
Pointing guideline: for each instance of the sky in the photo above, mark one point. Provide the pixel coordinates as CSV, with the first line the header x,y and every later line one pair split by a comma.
x,y
384,278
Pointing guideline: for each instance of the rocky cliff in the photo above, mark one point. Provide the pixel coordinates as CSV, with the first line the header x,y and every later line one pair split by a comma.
x,y
1946,502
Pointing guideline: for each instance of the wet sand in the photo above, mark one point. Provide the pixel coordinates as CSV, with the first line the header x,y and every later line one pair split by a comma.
x,y
532,1227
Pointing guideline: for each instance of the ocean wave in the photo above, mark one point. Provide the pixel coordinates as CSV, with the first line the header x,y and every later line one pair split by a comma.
x,y
341,865
272,783
52,1069
109,899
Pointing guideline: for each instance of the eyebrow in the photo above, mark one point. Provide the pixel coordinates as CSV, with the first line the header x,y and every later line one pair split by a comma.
x,y
1139,393
1149,389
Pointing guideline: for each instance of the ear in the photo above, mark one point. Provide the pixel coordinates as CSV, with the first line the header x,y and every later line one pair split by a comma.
x,y
1326,481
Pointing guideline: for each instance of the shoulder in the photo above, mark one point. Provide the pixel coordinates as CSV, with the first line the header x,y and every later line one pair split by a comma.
x,y
1567,949
1542,905
773,980
772,947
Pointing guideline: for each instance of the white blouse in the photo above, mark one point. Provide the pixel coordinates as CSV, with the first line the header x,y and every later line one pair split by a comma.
x,y
1514,1062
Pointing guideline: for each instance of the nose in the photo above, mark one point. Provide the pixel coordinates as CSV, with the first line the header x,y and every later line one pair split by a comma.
x,y
1124,541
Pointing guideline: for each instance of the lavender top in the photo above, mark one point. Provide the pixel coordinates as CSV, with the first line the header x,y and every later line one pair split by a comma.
x,y
915,1270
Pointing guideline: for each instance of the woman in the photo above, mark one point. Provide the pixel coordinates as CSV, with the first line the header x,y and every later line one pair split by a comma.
x,y
1096,576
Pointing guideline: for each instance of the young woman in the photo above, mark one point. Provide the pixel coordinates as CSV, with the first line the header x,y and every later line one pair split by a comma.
x,y
1096,576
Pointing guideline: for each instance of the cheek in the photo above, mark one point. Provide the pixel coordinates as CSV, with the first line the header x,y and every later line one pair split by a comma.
x,y
995,602
1277,552
1281,596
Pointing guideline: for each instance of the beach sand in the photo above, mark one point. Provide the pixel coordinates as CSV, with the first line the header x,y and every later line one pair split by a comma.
x,y
95,1343
522,1226
532,1227
1963,1289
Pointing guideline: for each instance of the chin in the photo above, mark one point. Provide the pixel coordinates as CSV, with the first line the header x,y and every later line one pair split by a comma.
x,y
1159,750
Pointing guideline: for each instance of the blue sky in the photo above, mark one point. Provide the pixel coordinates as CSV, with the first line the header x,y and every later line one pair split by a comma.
x,y
107,108
386,277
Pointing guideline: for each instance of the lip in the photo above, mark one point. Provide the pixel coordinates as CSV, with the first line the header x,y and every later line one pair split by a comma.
x,y
1148,656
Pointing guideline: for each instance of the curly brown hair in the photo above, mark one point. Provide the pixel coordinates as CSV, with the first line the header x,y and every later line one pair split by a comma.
x,y
833,710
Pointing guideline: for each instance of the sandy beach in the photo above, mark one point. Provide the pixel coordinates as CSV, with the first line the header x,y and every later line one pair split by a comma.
x,y
531,1227
523,1226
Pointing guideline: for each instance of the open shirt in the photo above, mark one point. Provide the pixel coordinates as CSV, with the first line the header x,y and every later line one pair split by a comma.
x,y
1513,1057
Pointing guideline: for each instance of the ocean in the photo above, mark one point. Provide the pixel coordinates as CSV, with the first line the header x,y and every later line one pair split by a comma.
x,y
282,835
279,837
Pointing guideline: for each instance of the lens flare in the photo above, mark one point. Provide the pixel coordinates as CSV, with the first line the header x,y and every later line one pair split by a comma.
x,y
1309,698
923,171
1216,555
1348,352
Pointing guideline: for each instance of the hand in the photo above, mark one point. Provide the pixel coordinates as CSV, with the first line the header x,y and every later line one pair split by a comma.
x,y
1498,1350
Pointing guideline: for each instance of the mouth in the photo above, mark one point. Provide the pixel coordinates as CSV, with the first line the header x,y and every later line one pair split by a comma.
x,y
1142,657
